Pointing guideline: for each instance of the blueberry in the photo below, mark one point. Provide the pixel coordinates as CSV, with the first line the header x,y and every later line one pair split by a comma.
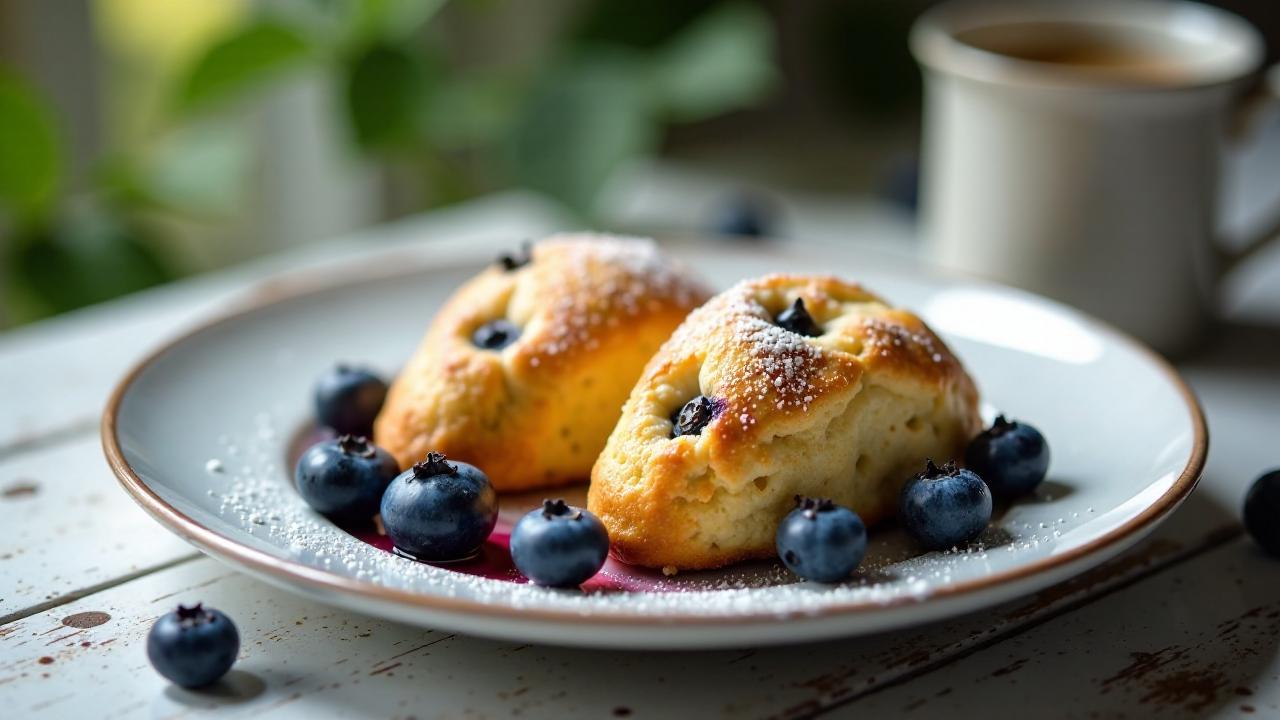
x,y
348,399
559,545
945,507
821,541
495,334
345,477
798,320
742,215
1262,512
438,510
1012,457
693,417
193,646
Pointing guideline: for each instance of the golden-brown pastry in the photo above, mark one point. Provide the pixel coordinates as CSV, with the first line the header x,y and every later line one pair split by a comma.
x,y
845,405
525,369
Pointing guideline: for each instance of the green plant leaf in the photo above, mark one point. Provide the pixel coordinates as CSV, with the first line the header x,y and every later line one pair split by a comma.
x,y
582,122
91,255
473,109
640,24
198,168
29,150
396,19
239,62
721,62
385,90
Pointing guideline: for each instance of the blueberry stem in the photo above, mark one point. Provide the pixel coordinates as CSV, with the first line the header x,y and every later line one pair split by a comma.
x,y
435,464
355,445
1001,426
932,471
192,615
813,506
558,508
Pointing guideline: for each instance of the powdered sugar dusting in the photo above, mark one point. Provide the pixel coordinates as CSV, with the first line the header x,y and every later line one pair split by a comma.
x,y
628,277
781,364
887,339
256,496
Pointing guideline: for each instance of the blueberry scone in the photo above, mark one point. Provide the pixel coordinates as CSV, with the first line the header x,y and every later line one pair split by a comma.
x,y
780,386
525,369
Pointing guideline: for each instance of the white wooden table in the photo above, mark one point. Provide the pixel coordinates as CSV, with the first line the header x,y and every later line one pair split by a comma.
x,y
1188,624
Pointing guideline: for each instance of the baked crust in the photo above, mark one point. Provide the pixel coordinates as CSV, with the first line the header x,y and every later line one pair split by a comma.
x,y
848,415
592,309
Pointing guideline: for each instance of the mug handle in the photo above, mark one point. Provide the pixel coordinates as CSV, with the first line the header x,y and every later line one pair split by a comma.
x,y
1251,108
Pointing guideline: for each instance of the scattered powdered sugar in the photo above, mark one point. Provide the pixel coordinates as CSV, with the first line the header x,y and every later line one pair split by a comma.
x,y
779,358
883,337
634,277
780,365
256,496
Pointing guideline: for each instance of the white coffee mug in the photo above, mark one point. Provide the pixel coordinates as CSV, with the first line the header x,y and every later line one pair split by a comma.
x,y
1073,148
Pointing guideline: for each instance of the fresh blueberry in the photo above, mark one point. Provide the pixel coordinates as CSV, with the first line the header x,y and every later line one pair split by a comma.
x,y
516,260
559,545
742,215
1262,512
798,320
693,417
821,541
345,477
1012,457
438,510
193,646
495,334
945,507
348,399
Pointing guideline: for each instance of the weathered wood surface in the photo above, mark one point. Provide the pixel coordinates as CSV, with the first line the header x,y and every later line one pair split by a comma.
x,y
67,528
73,545
301,659
1201,640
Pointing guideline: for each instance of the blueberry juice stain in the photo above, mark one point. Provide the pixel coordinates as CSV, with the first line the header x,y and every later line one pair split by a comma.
x,y
493,561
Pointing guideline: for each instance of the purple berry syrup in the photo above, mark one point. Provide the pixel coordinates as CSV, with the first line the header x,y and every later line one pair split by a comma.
x,y
493,561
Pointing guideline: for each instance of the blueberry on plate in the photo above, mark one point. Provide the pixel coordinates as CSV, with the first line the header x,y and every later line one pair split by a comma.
x,y
1262,512
439,510
559,545
742,215
193,646
693,417
1011,457
345,477
798,320
348,399
821,541
945,507
495,334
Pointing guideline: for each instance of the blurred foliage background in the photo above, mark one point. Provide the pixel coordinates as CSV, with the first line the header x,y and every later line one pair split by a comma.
x,y
221,130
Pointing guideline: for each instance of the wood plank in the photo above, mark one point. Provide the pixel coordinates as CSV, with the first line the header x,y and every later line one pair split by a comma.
x,y
810,679
1200,641
792,681
300,658
69,528
57,373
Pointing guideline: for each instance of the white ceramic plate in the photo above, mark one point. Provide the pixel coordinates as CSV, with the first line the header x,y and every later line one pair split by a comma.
x,y
199,434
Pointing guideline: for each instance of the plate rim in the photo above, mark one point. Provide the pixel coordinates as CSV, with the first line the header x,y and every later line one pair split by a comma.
x,y
278,290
